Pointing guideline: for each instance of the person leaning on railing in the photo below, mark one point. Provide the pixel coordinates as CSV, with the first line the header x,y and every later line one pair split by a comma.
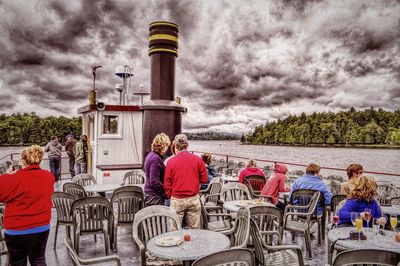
x,y
360,199
27,194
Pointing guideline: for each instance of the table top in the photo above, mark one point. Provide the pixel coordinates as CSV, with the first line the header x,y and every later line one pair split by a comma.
x,y
101,187
202,243
394,209
235,205
229,178
373,241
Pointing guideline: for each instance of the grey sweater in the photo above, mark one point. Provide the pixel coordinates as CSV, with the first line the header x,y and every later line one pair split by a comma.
x,y
53,149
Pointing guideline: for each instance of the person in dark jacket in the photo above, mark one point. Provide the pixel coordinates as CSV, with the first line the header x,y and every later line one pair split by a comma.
x,y
206,157
27,195
69,147
154,168
53,149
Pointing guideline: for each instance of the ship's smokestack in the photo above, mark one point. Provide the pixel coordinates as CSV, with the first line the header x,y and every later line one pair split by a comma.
x,y
162,113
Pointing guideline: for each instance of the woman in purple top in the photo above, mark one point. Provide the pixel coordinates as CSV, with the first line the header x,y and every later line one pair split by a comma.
x,y
360,199
154,168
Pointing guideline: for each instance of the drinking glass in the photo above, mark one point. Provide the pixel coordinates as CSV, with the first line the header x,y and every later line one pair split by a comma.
x,y
353,218
393,221
367,215
186,233
376,227
336,218
359,225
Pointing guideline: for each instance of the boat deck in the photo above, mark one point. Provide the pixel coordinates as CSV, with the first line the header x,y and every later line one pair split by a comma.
x,y
129,253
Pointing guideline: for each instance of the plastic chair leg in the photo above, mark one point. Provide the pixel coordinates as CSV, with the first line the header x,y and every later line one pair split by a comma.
x,y
55,236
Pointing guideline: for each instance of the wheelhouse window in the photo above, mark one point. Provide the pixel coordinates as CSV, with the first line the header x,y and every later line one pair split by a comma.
x,y
110,124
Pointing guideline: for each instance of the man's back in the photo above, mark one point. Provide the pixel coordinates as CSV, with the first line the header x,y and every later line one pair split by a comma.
x,y
183,175
312,182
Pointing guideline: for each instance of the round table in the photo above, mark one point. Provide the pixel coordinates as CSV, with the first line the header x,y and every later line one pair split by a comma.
x,y
391,210
386,241
101,187
235,205
202,243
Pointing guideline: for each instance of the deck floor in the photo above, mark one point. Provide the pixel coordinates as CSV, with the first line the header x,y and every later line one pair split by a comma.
x,y
129,253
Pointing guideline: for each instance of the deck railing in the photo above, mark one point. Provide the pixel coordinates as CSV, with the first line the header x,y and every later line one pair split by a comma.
x,y
228,156
64,163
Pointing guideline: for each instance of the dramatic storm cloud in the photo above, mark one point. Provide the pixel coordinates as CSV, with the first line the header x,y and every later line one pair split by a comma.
x,y
240,63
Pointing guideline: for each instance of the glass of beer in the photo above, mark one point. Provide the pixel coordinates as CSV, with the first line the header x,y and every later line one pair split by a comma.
x,y
359,225
367,216
393,221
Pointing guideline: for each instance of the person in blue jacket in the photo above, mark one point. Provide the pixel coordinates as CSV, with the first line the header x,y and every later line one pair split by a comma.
x,y
360,199
210,169
312,180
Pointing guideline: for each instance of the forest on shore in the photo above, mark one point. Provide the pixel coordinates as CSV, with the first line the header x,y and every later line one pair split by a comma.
x,y
17,129
364,127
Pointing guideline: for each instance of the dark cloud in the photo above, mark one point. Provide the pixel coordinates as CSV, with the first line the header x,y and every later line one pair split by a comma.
x,y
240,62
7,102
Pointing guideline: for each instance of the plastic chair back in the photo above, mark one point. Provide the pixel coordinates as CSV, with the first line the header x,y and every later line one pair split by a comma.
x,y
134,177
229,257
367,256
74,189
234,191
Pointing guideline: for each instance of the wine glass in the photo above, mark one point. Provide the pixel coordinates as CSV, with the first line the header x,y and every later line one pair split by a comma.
x,y
393,221
367,215
336,218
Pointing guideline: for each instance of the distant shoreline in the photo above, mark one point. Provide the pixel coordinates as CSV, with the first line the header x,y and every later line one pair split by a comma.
x,y
356,146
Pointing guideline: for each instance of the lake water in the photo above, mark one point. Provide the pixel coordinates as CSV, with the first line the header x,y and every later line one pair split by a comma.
x,y
377,160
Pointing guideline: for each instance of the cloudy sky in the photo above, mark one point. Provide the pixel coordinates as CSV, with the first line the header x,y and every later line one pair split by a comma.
x,y
240,64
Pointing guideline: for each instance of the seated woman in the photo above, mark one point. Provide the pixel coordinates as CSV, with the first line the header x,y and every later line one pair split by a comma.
x,y
276,184
354,171
360,199
210,170
251,169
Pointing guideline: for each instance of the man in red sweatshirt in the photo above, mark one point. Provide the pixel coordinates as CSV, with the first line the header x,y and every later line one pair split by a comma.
x,y
183,176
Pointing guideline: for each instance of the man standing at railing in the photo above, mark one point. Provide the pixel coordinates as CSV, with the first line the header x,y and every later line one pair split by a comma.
x,y
53,149
80,155
69,147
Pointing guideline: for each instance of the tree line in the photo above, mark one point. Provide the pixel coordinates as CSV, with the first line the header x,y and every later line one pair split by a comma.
x,y
209,135
27,128
366,127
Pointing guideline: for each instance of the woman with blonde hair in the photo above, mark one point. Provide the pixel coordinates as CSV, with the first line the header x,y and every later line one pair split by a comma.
x,y
27,194
154,168
251,169
361,198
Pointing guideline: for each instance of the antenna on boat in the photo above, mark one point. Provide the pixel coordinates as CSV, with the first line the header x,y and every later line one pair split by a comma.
x,y
92,94
141,92
123,72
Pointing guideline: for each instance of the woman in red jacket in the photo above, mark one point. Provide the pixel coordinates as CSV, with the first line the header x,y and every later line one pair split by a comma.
x,y
27,195
276,184
251,169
